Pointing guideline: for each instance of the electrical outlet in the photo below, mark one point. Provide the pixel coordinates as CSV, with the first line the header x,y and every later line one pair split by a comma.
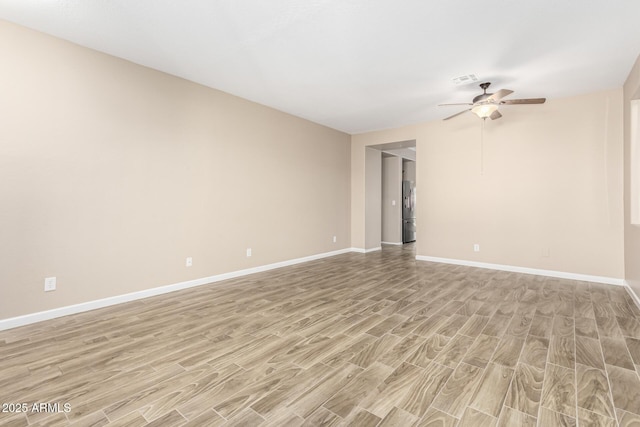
x,y
248,252
546,252
476,247
49,284
189,262
393,203
334,239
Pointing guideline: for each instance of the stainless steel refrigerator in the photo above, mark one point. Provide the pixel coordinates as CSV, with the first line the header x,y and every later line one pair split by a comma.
x,y
408,211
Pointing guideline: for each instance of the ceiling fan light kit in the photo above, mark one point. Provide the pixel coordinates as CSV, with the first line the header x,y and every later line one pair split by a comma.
x,y
484,110
486,104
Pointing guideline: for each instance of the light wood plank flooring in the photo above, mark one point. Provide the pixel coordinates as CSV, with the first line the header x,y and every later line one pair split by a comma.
x,y
368,340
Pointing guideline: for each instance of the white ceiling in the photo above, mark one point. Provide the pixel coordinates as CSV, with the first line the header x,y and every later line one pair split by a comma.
x,y
358,65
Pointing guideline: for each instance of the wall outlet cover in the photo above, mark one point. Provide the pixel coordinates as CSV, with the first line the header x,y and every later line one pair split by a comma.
x,y
248,252
49,284
189,262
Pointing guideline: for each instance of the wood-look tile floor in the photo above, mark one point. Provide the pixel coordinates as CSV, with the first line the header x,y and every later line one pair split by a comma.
x,y
364,340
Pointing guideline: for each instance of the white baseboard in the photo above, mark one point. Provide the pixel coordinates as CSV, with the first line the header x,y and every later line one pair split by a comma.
x,y
526,270
632,294
28,319
366,251
393,243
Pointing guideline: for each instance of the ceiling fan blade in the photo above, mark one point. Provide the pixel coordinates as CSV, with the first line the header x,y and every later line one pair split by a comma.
x,y
495,115
457,114
497,96
524,101
444,105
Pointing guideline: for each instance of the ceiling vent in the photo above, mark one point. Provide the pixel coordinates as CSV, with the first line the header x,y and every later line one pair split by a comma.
x,y
463,80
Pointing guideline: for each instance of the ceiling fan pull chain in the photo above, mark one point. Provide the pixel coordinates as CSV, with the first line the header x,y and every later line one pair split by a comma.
x,y
482,147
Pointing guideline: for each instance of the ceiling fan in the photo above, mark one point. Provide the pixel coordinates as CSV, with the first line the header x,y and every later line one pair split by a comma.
x,y
486,104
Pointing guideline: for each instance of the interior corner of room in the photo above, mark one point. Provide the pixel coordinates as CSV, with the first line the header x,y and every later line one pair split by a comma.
x,y
123,182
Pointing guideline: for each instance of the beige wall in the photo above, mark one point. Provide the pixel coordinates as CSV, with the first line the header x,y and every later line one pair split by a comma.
x,y
631,231
373,199
549,182
392,192
111,174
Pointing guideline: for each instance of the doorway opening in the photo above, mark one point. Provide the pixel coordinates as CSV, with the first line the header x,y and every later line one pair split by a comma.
x,y
397,204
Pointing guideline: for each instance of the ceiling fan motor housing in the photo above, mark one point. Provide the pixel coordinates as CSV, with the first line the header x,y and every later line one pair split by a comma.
x,y
483,95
